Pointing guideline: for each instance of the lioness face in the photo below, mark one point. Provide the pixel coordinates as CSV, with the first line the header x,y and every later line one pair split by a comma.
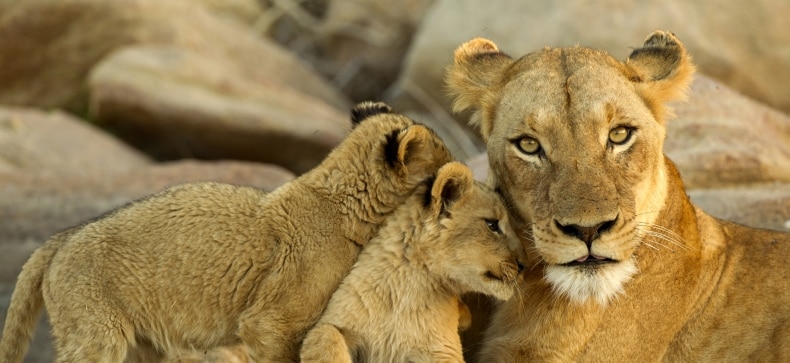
x,y
576,151
575,144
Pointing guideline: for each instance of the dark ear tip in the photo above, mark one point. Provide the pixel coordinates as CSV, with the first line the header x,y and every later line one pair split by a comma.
x,y
366,109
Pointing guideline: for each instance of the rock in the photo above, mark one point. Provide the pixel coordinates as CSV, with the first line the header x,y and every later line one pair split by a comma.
x,y
61,47
57,143
721,138
479,166
176,103
763,205
246,12
740,44
362,43
173,78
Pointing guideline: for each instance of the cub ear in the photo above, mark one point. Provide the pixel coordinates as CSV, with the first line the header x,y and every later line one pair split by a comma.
x,y
662,71
366,109
416,152
471,79
453,182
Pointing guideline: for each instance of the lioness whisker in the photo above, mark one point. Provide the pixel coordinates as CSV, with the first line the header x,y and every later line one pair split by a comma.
x,y
664,234
535,265
666,230
647,243
662,237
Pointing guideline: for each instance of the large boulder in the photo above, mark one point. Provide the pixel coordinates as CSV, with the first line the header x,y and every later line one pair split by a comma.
x,y
764,205
177,78
56,143
177,103
61,41
721,138
362,43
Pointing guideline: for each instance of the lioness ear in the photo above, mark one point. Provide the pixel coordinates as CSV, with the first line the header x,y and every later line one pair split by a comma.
x,y
471,79
416,152
366,109
662,71
453,180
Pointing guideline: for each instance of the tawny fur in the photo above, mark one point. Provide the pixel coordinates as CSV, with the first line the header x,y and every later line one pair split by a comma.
x,y
400,302
670,283
205,265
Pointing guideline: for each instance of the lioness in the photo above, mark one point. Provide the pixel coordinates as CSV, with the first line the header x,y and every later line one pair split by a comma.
x,y
400,302
622,267
204,265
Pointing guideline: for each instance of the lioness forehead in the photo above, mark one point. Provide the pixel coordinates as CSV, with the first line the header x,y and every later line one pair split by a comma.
x,y
572,85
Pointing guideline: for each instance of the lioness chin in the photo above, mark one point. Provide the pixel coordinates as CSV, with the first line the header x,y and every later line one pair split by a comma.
x,y
205,265
623,267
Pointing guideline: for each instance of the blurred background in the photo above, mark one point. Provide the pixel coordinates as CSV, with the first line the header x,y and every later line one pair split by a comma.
x,y
105,101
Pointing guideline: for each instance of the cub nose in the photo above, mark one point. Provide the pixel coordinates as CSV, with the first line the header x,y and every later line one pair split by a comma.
x,y
585,233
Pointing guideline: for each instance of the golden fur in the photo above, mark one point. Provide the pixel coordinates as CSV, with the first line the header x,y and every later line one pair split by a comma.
x,y
400,302
205,265
621,266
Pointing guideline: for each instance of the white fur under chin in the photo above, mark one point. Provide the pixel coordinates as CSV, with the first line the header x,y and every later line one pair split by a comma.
x,y
580,285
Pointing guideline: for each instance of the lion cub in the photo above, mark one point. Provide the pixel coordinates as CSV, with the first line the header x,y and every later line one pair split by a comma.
x,y
400,302
205,265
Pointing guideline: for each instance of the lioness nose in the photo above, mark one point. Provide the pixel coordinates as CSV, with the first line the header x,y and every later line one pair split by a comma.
x,y
584,233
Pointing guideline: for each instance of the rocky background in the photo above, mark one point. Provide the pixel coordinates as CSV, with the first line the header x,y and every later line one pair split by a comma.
x,y
106,101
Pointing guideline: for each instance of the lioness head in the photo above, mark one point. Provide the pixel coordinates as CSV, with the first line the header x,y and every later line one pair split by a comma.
x,y
575,143
474,244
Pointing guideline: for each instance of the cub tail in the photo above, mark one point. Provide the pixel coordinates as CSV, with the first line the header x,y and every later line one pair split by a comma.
x,y
26,303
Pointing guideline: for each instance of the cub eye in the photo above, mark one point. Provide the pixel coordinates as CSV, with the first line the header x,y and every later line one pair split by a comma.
x,y
619,135
528,145
493,225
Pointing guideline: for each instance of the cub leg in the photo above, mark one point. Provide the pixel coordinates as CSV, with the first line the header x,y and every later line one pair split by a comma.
x,y
270,336
87,342
86,328
144,352
325,344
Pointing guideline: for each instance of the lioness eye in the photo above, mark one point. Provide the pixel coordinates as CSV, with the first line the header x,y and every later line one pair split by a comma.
x,y
493,225
619,135
528,145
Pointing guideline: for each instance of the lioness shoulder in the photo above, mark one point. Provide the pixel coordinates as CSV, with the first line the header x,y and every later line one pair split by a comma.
x,y
206,265
626,268
400,302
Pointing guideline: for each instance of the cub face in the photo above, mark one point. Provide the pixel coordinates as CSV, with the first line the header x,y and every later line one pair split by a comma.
x,y
575,142
474,245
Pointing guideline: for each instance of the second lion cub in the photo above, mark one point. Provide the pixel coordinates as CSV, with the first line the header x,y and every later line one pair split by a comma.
x,y
400,302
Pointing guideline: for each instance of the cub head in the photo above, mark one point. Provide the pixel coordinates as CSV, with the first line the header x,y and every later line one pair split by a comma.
x,y
393,153
473,245
575,142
